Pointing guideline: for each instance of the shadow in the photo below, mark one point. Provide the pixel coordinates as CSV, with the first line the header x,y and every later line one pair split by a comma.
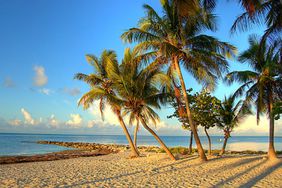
x,y
137,172
239,174
214,170
104,179
266,172
173,167
234,165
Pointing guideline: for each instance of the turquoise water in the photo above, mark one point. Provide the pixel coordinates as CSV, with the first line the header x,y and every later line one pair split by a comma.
x,y
25,144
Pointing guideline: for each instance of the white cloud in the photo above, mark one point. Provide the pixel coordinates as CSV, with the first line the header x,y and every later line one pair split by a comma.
x,y
40,79
28,118
249,126
97,123
109,116
75,121
8,82
165,127
52,121
91,123
15,122
72,91
45,91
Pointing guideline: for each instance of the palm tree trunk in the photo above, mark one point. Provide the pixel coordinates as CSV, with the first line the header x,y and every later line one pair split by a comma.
x,y
135,133
132,147
201,151
209,139
271,149
191,143
224,146
157,138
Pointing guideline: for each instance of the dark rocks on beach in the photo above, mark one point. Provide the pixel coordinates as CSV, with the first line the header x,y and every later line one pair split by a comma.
x,y
82,150
52,156
112,148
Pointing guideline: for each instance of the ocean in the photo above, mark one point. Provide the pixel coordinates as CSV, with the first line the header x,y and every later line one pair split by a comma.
x,y
25,144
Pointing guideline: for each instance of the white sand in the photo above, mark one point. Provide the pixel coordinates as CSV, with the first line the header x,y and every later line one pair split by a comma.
x,y
157,170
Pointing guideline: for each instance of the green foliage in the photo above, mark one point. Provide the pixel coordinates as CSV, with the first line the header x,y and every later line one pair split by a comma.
x,y
261,86
99,82
205,110
277,110
268,12
177,34
139,87
231,113
179,150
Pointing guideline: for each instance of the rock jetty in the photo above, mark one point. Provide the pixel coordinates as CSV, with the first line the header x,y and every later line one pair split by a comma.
x,y
112,148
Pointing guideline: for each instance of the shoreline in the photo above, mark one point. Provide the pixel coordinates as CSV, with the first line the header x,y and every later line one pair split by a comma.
x,y
84,149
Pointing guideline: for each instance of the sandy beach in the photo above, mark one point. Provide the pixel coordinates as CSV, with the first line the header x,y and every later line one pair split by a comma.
x,y
151,170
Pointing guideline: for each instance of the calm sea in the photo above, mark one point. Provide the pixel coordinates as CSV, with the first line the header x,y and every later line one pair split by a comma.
x,y
25,144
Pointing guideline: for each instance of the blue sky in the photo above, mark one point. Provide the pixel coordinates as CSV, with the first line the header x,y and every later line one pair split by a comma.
x,y
44,43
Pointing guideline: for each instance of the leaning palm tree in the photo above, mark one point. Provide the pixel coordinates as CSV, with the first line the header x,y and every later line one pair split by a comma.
x,y
139,90
177,40
230,115
262,85
101,89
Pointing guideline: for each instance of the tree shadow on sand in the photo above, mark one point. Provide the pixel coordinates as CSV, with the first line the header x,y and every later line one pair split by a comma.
x,y
172,166
134,173
230,179
266,172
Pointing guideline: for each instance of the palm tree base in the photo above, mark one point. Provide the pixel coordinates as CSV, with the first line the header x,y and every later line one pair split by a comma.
x,y
272,156
133,156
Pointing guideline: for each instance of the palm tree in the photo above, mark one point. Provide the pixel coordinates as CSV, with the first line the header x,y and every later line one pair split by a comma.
x,y
262,85
178,41
138,88
250,5
179,113
230,115
101,89
268,12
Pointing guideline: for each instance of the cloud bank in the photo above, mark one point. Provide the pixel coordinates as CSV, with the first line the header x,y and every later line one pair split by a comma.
x,y
77,124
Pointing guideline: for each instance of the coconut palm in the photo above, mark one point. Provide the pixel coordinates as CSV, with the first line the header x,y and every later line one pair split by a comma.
x,y
250,5
188,8
268,12
101,89
178,41
231,113
178,104
262,85
138,88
